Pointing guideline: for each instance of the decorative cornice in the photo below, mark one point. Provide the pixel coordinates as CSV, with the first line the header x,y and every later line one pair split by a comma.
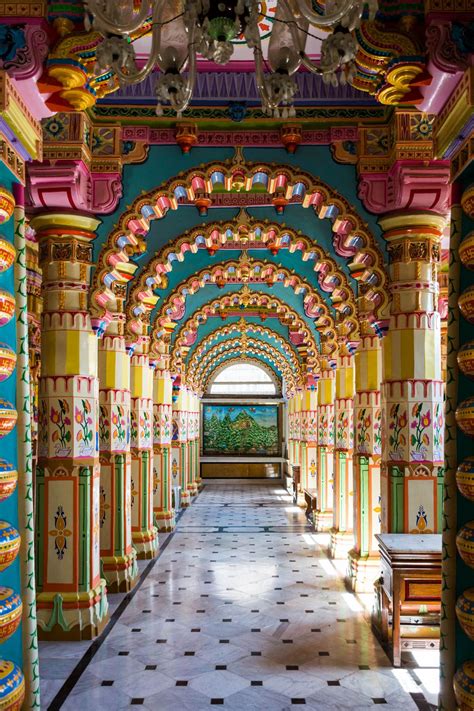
x,y
21,122
243,137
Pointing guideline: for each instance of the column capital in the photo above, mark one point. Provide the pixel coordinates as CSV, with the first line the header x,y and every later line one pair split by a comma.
x,y
46,224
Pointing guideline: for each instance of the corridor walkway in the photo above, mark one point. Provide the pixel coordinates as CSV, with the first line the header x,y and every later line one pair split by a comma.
x,y
242,610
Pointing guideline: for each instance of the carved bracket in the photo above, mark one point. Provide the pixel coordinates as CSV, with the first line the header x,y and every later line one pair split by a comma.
x,y
407,186
73,186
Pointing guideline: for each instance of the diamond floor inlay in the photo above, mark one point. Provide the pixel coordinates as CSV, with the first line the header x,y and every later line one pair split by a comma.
x,y
242,609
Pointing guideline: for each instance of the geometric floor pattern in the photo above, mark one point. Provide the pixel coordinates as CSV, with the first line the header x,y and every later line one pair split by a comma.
x,y
242,609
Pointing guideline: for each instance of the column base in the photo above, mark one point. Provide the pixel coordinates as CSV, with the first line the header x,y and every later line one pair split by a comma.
x,y
323,521
341,543
145,543
72,616
193,489
165,521
200,483
120,572
362,572
185,499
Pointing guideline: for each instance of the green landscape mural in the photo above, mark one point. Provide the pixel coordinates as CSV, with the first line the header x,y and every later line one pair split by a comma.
x,y
240,429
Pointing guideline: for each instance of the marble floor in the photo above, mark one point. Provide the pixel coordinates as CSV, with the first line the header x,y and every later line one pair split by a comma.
x,y
242,609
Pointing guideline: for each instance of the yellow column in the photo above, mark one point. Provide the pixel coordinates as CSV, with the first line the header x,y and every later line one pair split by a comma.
x,y
71,599
144,533
179,439
364,557
326,394
342,532
413,448
309,437
190,445
162,490
117,554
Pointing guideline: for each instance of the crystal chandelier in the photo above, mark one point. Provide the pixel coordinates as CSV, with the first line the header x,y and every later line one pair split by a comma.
x,y
183,29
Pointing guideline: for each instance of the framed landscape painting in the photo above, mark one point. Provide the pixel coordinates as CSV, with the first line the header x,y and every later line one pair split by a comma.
x,y
241,429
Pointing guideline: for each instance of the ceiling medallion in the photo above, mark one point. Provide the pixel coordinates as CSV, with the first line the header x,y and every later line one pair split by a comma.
x,y
182,30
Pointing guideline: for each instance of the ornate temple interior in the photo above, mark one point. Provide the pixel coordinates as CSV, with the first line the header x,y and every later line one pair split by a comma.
x,y
237,355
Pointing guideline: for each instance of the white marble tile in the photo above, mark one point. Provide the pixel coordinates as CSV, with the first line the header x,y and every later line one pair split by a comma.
x,y
240,573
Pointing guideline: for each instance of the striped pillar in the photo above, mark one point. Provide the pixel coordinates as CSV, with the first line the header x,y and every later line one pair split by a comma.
x,y
71,600
309,437
144,533
363,566
326,394
412,389
162,491
342,533
117,554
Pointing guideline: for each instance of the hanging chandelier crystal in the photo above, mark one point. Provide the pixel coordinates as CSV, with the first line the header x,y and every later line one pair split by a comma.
x,y
183,29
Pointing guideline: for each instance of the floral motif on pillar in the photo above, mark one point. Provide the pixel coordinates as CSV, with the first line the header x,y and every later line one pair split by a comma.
x,y
179,459
363,558
71,600
413,413
325,464
117,554
343,503
144,533
309,436
162,422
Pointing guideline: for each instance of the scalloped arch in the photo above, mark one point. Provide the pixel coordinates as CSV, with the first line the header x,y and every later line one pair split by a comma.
x,y
257,272
199,356
300,335
253,347
351,235
244,233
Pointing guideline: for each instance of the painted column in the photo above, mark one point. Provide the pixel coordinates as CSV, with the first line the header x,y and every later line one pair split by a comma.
x,y
342,534
197,443
162,491
413,411
326,395
178,442
190,446
364,557
118,556
291,441
297,430
71,600
144,533
309,436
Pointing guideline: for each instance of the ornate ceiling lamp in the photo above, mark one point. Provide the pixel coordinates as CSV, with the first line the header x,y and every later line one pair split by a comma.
x,y
183,29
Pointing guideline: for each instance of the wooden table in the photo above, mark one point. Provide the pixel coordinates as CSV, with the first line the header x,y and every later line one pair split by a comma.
x,y
311,499
411,586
